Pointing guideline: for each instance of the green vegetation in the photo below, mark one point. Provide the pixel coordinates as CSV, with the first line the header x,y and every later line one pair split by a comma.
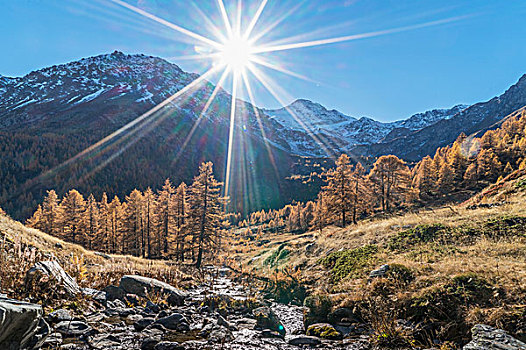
x,y
349,262
400,274
521,184
324,331
277,257
416,235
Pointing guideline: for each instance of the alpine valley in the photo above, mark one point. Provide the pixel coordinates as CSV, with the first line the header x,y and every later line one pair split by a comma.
x,y
49,116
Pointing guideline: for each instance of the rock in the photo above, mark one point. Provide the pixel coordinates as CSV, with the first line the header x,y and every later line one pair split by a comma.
x,y
19,322
266,319
59,316
304,340
220,334
267,333
149,343
53,269
223,322
140,325
486,337
379,272
323,330
290,316
168,345
175,321
103,255
40,335
97,295
152,308
142,286
342,316
114,293
246,323
59,245
73,328
53,340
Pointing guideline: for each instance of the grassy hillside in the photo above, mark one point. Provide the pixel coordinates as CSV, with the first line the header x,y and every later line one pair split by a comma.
x,y
451,267
22,247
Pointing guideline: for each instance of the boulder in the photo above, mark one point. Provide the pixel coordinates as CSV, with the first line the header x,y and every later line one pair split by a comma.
x,y
486,337
323,330
73,329
144,286
59,316
304,340
380,272
174,322
266,319
19,323
114,293
52,269
168,345
342,316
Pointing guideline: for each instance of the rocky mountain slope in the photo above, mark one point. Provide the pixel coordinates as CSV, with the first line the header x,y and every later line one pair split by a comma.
x,y
50,115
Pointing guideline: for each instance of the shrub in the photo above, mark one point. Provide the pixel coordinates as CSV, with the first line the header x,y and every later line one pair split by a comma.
x,y
285,286
416,235
277,257
346,262
400,274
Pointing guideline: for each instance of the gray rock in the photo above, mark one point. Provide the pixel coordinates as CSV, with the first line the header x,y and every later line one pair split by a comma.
x,y
486,338
97,295
267,333
143,323
59,316
143,286
379,272
267,319
342,316
149,343
53,340
304,340
220,334
175,321
114,293
290,316
53,269
73,328
168,345
19,323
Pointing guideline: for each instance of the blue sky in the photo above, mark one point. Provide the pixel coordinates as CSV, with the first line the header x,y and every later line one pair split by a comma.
x,y
386,77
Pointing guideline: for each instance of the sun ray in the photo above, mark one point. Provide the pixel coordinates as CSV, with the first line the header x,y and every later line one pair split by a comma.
x,y
168,24
267,64
255,19
212,27
203,112
106,140
224,15
239,13
231,131
268,86
277,22
274,48
258,118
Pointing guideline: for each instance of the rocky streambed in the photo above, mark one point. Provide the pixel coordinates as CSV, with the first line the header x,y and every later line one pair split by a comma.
x,y
143,313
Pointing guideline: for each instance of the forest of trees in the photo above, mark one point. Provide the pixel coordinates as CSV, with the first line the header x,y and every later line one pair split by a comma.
x,y
182,223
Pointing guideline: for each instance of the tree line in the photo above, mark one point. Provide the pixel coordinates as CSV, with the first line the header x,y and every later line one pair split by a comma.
x,y
182,223
454,172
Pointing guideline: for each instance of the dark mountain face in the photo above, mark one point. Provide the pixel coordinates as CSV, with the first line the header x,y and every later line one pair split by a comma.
x,y
476,119
49,116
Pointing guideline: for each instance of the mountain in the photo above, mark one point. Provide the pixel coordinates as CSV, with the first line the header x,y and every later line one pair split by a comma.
x,y
49,116
475,119
340,132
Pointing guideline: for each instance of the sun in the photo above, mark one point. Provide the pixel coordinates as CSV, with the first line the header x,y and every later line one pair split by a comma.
x,y
236,53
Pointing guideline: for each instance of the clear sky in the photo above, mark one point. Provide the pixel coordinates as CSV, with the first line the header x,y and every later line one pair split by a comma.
x,y
472,58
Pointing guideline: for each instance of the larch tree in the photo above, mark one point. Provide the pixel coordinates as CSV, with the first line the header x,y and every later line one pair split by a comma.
x,y
52,214
165,215
338,192
206,210
360,191
149,205
181,212
74,207
425,179
116,216
103,237
91,216
133,238
392,179
35,221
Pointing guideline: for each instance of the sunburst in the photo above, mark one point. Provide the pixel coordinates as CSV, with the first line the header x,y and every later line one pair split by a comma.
x,y
237,52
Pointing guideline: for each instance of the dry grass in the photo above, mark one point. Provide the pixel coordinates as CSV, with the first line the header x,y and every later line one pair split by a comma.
x,y
22,247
